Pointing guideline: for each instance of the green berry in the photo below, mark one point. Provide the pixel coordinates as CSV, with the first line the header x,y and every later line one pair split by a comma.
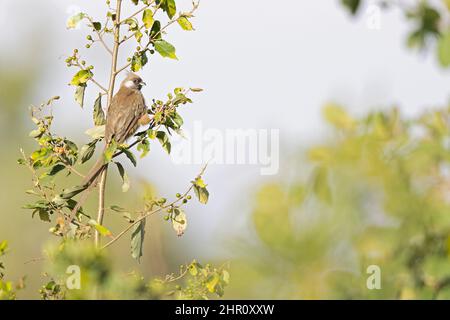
x,y
88,46
185,201
189,197
178,195
89,37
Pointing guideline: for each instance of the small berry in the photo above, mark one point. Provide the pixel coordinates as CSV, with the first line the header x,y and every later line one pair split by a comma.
x,y
178,195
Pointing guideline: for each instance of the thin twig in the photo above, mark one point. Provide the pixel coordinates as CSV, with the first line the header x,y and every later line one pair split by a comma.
x,y
148,214
112,80
137,12
100,37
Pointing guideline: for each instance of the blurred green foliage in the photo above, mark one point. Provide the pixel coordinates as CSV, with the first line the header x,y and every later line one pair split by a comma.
x,y
378,194
428,20
79,270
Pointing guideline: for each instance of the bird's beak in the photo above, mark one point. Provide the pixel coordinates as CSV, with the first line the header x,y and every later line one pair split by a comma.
x,y
143,83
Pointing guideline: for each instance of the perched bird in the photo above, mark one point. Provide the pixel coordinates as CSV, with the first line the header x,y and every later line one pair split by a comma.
x,y
126,112
124,116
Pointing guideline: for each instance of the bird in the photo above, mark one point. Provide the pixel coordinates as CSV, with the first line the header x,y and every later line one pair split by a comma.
x,y
126,113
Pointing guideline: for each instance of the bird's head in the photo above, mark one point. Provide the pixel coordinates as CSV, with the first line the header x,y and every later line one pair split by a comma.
x,y
133,81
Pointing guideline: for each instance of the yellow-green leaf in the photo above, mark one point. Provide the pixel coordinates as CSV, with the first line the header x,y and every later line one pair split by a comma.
x,y
147,18
101,229
74,20
444,49
81,77
165,49
185,24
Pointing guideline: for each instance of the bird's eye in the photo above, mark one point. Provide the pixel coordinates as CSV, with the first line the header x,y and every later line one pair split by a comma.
x,y
136,80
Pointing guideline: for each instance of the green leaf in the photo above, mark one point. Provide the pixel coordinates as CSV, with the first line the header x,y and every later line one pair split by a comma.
x,y
124,213
37,133
3,247
99,114
337,116
155,32
87,151
143,147
138,35
151,133
79,95
185,24
71,192
124,176
147,18
177,120
212,282
352,5
199,182
101,229
165,49
163,138
74,20
56,168
225,276
202,194
44,215
444,49
81,77
130,156
137,240
97,26
170,8
138,61
110,151
132,24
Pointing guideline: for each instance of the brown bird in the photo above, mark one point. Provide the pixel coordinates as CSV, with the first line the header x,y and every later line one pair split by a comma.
x,y
125,114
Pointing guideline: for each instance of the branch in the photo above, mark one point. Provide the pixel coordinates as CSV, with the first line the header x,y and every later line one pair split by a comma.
x,y
100,37
137,12
148,214
151,40
110,92
92,79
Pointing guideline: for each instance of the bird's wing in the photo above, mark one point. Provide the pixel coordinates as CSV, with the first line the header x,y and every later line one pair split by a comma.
x,y
125,110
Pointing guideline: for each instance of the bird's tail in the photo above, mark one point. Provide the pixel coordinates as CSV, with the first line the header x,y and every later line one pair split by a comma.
x,y
93,174
89,182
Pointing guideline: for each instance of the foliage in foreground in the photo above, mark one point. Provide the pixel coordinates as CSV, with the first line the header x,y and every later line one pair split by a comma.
x,y
55,155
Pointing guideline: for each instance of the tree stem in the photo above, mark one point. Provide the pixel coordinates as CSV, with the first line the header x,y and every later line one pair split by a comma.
x,y
112,80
